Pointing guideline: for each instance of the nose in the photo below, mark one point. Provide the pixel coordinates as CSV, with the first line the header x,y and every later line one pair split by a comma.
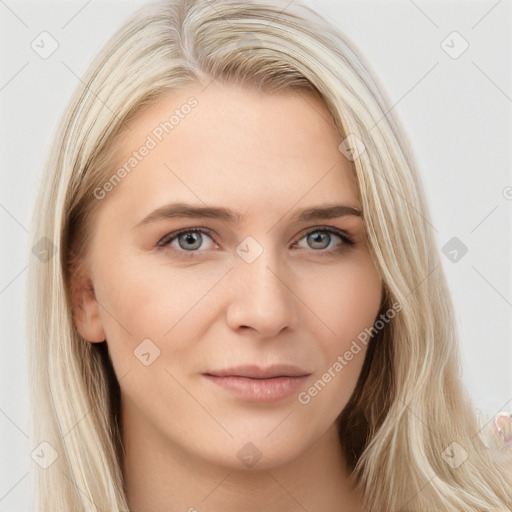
x,y
261,300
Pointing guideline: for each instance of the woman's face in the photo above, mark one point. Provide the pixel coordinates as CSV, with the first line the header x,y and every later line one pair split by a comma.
x,y
254,285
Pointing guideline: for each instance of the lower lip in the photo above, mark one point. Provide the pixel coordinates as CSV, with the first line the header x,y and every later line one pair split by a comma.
x,y
259,390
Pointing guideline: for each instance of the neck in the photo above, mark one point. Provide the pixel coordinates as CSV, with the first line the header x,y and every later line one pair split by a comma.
x,y
160,476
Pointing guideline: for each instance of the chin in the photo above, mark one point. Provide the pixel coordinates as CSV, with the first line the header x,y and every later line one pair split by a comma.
x,y
254,455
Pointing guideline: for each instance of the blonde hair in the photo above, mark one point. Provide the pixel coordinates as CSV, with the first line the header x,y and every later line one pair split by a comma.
x,y
409,404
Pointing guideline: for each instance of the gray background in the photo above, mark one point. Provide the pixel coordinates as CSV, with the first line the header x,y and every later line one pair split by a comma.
x,y
457,112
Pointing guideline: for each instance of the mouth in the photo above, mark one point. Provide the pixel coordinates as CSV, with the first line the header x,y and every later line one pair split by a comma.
x,y
253,383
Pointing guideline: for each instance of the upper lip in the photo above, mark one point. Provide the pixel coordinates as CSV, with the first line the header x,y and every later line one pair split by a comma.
x,y
259,372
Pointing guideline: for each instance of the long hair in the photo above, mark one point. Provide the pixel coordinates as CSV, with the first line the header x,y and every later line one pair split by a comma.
x,y
409,405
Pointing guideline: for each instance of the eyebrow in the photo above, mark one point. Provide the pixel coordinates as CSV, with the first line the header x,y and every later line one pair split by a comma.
x,y
178,210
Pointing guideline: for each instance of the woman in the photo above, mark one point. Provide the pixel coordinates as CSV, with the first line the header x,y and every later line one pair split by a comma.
x,y
247,308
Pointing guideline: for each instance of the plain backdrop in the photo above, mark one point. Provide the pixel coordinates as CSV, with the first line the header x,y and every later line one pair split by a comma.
x,y
455,108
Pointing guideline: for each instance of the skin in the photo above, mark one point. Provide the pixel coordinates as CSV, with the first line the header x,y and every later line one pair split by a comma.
x,y
302,300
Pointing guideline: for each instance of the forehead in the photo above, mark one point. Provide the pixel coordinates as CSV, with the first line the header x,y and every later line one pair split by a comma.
x,y
224,143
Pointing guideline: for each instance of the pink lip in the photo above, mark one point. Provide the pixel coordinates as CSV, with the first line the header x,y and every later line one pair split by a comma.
x,y
257,384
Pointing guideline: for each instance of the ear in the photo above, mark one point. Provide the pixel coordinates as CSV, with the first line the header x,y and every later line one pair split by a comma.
x,y
86,314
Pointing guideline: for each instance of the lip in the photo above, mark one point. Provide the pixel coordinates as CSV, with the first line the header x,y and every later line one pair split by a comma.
x,y
253,383
259,372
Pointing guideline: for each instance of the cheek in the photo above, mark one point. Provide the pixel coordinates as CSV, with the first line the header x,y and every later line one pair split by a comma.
x,y
348,304
142,300
345,299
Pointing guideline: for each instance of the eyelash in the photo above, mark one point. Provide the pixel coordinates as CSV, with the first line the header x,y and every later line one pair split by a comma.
x,y
346,243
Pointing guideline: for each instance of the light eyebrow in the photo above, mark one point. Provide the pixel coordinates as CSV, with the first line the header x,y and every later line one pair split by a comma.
x,y
177,210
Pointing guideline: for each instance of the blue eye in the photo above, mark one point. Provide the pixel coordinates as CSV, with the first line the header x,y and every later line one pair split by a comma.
x,y
190,240
317,239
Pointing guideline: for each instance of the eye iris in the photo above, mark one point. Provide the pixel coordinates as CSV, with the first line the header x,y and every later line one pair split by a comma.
x,y
190,237
317,238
